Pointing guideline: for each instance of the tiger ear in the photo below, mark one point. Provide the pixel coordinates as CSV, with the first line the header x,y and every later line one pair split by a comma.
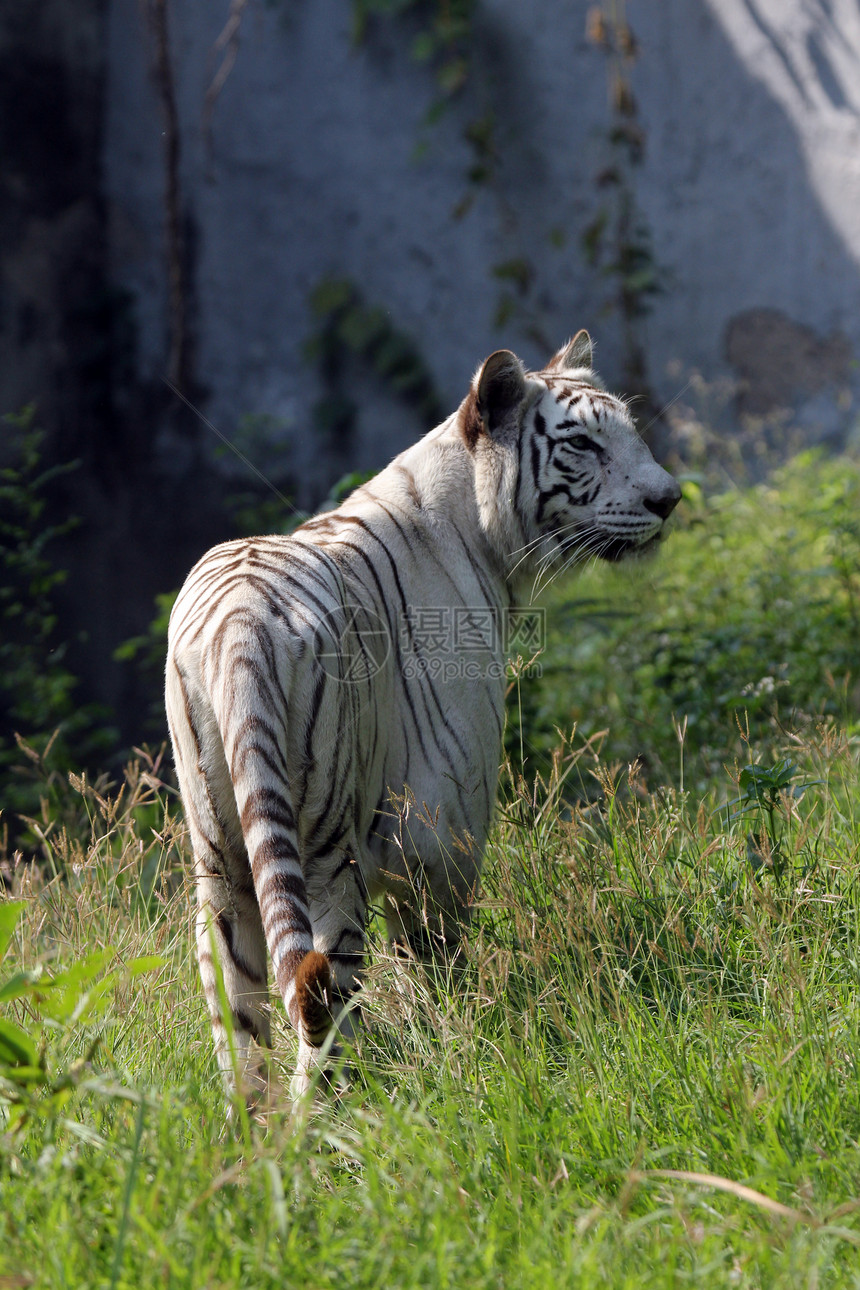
x,y
500,387
498,390
576,353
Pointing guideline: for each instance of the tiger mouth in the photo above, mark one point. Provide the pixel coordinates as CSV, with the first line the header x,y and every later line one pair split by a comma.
x,y
615,549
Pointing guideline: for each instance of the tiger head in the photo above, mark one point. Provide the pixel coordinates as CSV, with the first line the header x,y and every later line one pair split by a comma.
x,y
561,473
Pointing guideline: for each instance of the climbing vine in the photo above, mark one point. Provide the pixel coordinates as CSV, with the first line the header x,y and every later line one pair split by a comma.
x,y
617,241
443,39
346,326
179,350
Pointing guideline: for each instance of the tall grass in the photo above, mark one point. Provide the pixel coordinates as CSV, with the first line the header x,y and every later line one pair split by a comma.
x,y
640,1068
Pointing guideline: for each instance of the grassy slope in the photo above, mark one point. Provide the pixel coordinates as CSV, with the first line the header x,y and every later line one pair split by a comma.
x,y
640,997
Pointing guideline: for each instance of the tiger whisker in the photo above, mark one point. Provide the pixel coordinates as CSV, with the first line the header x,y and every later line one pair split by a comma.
x,y
588,556
528,549
580,535
541,538
556,562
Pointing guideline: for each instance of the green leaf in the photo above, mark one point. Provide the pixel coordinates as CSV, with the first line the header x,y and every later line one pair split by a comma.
x,y
145,963
424,46
19,984
452,77
642,280
72,993
10,912
16,1046
520,271
331,296
21,1076
129,649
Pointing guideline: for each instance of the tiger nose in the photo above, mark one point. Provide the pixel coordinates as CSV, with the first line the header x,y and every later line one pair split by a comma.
x,y
664,502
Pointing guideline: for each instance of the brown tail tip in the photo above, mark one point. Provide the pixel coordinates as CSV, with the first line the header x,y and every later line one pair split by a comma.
x,y
313,985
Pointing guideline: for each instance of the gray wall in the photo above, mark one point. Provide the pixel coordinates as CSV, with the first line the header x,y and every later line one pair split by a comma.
x,y
749,188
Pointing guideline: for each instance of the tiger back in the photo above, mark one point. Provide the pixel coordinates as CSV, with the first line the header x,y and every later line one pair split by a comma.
x,y
336,697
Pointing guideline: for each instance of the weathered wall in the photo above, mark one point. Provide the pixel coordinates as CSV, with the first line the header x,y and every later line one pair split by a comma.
x,y
749,188
752,194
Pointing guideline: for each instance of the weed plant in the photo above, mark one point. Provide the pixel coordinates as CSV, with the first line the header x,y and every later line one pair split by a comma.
x,y
38,701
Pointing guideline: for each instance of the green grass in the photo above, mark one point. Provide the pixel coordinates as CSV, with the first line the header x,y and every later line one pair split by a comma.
x,y
641,1069
633,999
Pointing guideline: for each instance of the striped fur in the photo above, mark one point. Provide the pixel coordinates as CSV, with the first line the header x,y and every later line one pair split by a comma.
x,y
330,746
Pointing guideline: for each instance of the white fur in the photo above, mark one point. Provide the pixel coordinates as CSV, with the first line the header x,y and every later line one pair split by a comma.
x,y
396,771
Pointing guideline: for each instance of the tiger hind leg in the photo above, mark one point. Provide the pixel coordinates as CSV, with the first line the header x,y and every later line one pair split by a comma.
x,y
328,978
231,947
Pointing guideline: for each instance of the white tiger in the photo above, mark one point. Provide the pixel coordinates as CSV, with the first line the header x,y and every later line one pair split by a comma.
x,y
319,684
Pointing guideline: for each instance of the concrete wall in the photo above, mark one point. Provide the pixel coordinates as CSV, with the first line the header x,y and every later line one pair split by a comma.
x,y
750,188
752,194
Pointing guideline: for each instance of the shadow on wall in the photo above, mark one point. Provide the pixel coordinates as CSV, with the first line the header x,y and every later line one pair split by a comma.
x,y
779,361
742,208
